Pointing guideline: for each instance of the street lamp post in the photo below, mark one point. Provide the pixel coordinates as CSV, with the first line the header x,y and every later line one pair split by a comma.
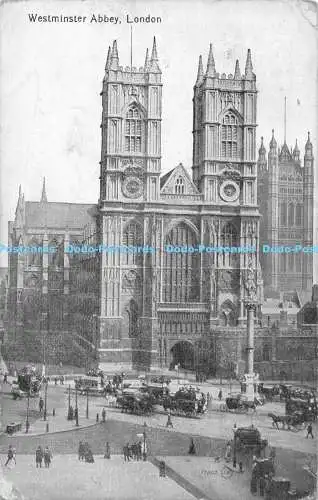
x,y
27,423
144,451
45,402
87,403
76,407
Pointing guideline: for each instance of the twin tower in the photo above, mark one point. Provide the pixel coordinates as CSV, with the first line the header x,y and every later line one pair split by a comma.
x,y
224,130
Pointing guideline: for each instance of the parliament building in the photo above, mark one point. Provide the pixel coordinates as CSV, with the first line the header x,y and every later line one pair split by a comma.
x,y
159,308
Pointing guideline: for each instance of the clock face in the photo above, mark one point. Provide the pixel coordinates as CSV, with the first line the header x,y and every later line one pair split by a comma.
x,y
132,187
229,191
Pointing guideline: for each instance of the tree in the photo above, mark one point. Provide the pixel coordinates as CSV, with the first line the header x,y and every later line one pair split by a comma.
x,y
226,363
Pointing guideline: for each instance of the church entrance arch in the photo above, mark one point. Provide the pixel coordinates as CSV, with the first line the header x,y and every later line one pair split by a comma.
x,y
183,355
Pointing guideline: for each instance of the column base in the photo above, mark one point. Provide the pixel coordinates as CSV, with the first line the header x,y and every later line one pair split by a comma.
x,y
250,394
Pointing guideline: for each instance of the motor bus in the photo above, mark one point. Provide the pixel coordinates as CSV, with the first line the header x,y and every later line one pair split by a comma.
x,y
92,385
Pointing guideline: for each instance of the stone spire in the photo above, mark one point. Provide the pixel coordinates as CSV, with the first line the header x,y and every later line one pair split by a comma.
x,y
114,59
154,67
296,152
237,72
147,62
308,146
200,72
249,66
210,69
108,59
262,162
43,195
273,143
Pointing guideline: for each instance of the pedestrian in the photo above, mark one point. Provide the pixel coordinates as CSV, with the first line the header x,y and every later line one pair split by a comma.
x,y
169,421
47,457
126,452
11,456
76,414
228,451
234,429
41,405
309,431
220,395
107,450
38,456
192,450
55,380
81,451
5,378
104,415
89,458
139,450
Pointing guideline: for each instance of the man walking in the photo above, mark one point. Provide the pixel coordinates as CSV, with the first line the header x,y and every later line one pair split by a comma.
x,y
38,457
309,431
47,457
10,456
104,415
41,405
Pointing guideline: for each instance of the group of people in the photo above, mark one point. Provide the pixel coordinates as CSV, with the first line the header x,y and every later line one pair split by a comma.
x,y
133,451
85,453
41,455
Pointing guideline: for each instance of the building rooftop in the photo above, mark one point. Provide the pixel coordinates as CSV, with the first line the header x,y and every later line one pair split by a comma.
x,y
58,214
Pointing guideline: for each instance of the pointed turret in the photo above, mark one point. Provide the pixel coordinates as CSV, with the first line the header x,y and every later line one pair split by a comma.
x,y
153,66
296,152
210,69
237,72
20,192
200,72
43,195
249,66
262,162
308,147
147,62
273,143
108,59
114,59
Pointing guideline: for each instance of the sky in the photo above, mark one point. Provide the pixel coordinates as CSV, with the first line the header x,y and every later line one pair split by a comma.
x,y
51,78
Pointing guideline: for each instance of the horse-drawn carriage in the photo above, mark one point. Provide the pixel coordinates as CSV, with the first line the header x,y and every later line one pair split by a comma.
x,y
292,422
239,403
185,402
132,401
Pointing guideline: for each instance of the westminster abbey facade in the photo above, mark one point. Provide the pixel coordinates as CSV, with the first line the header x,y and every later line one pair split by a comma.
x,y
159,308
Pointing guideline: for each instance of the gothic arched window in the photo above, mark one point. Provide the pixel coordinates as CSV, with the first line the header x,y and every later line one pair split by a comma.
x,y
179,186
181,269
298,215
229,239
291,211
283,213
229,136
132,239
133,130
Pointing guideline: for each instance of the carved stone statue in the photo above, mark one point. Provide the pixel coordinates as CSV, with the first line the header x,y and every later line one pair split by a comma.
x,y
250,282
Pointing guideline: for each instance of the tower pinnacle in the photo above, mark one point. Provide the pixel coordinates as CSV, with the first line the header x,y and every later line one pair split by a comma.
x,y
43,195
249,66
273,143
153,66
200,71
108,59
210,69
114,59
237,72
146,67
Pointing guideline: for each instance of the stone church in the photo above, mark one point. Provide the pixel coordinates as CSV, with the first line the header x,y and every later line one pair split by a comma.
x,y
145,309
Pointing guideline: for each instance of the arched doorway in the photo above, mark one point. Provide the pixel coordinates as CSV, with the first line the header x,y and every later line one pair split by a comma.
x,y
183,355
